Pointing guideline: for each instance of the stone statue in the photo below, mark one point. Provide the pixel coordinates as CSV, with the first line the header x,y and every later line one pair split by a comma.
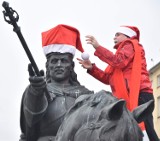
x,y
102,117
73,112
41,119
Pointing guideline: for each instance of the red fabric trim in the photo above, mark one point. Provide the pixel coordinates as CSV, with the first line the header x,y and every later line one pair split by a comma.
x,y
135,76
120,88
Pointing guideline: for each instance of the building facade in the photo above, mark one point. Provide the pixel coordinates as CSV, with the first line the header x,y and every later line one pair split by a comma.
x,y
155,79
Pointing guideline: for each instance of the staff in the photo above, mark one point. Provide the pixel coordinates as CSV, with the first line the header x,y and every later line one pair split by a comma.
x,y
13,19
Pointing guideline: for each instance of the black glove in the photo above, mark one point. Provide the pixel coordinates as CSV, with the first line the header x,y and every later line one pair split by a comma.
x,y
37,83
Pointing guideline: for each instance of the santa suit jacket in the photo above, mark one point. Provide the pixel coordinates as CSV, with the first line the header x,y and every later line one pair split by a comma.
x,y
122,60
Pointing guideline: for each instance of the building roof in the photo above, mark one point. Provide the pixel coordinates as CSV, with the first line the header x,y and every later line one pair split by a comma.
x,y
154,68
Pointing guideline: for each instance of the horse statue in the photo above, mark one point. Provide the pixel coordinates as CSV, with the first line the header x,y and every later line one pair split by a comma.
x,y
103,117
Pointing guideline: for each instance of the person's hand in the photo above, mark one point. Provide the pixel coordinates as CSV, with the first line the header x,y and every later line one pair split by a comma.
x,y
37,83
91,40
85,63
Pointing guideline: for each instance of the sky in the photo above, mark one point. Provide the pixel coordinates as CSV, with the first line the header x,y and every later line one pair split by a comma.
x,y
99,18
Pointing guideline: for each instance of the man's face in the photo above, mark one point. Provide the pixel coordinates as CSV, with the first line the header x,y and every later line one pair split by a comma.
x,y
60,66
119,37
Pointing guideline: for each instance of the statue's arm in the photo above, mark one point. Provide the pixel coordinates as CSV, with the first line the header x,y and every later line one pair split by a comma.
x,y
34,104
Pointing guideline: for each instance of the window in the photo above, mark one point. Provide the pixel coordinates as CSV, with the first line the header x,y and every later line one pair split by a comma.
x,y
158,104
158,81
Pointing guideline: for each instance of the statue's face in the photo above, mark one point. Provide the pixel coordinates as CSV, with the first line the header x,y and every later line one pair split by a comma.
x,y
60,66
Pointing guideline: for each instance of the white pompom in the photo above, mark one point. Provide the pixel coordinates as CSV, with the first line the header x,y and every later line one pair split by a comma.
x,y
85,56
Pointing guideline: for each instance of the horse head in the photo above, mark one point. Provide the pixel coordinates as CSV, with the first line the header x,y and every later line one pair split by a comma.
x,y
102,117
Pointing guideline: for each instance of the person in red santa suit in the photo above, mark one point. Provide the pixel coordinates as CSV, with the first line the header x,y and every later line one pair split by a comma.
x,y
126,72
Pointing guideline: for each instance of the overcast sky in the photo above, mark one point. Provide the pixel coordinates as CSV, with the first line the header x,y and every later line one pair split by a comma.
x,y
99,18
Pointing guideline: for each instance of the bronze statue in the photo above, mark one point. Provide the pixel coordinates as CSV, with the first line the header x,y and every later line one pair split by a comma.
x,y
46,100
41,119
58,108
40,116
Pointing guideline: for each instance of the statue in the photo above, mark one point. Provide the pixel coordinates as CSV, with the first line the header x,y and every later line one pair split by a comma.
x,y
40,118
47,99
102,117
58,108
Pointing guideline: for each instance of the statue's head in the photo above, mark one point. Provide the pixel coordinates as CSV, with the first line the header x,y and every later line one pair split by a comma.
x,y
60,44
60,68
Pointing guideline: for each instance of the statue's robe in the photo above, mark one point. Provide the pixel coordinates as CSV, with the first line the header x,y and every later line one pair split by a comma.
x,y
45,120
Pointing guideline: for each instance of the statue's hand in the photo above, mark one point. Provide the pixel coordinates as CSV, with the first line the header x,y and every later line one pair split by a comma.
x,y
31,71
37,83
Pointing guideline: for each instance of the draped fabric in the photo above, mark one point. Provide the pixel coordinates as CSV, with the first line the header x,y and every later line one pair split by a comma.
x,y
131,97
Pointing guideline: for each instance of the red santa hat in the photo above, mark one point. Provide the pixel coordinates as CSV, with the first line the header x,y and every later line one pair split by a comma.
x,y
130,31
63,39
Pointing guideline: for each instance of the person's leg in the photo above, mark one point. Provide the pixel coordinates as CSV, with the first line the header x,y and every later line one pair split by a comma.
x,y
150,129
143,98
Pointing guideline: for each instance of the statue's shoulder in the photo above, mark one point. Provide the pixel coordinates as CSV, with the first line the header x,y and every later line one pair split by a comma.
x,y
70,90
79,90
